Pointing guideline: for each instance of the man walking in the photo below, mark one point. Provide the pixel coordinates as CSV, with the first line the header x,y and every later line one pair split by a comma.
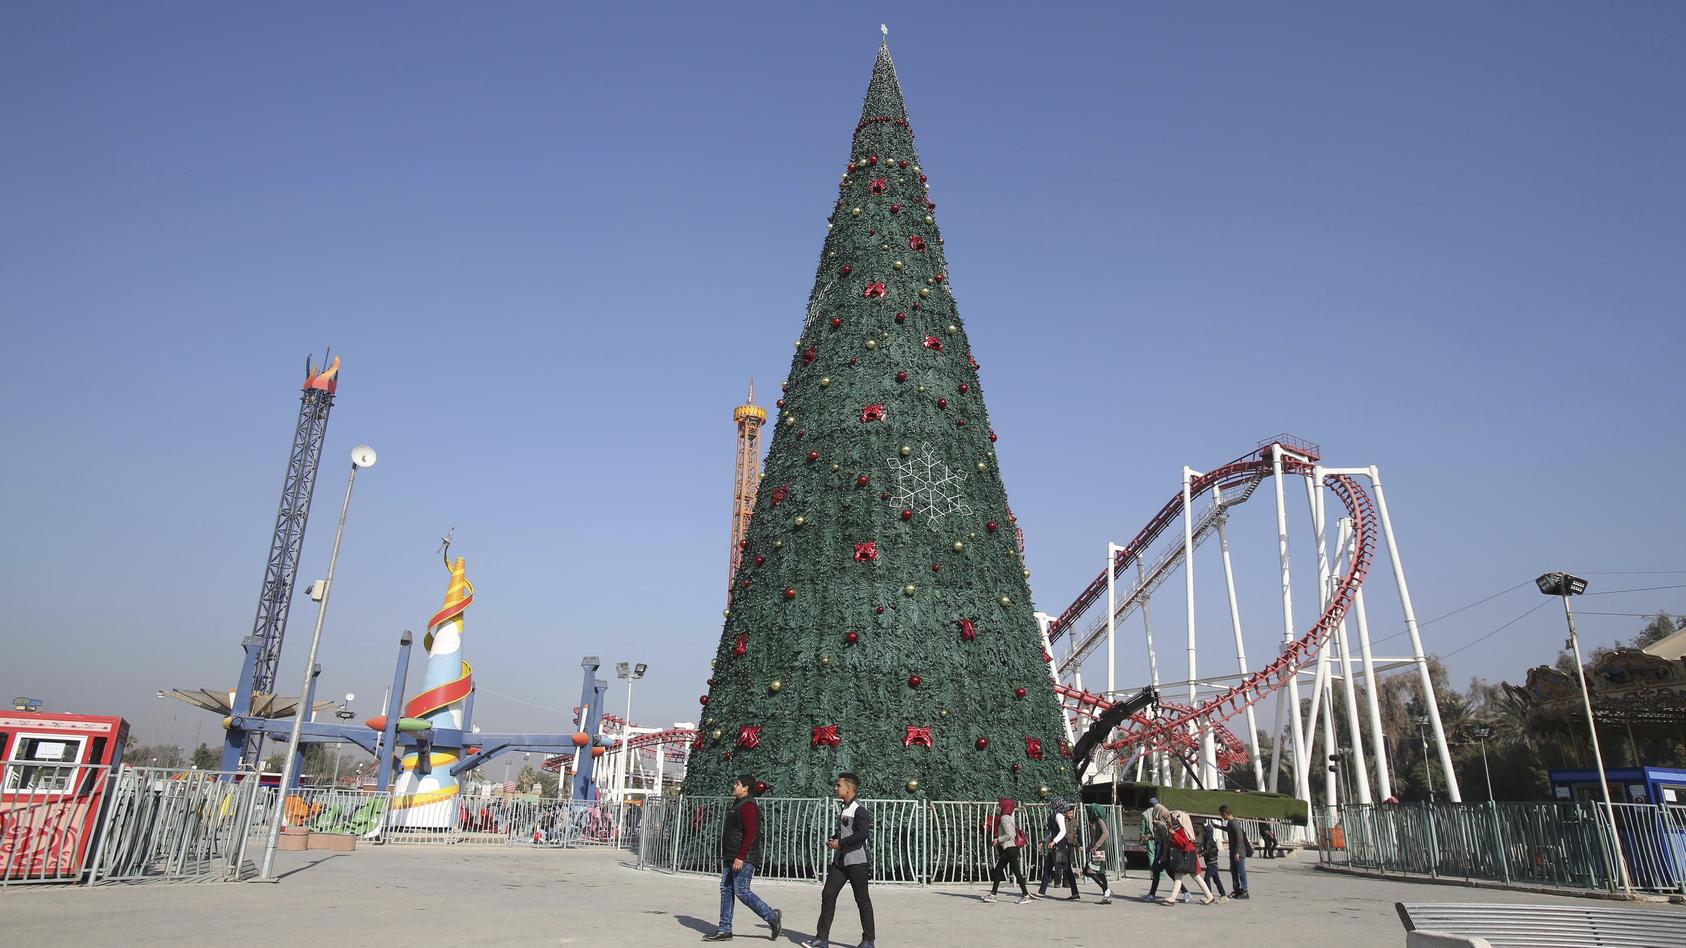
x,y
740,851
1061,830
1240,847
850,862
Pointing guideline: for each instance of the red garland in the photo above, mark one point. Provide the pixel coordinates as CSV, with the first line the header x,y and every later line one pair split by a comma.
x,y
933,343
968,631
873,291
780,493
866,552
916,244
874,412
917,736
741,645
825,735
1032,748
749,736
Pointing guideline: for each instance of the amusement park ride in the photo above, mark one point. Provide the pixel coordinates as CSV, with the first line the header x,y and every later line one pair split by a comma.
x,y
1143,734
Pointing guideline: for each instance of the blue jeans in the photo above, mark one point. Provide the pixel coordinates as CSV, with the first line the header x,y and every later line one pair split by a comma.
x,y
1237,873
737,884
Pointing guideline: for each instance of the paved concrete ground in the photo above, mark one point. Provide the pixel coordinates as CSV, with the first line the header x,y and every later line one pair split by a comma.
x,y
460,896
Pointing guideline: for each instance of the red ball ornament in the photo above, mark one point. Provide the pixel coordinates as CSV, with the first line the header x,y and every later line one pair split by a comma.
x,y
779,403
1015,768
902,163
895,209
936,567
964,388
852,637
992,437
901,317
884,495
861,481
702,699
1019,692
913,681
942,403
743,544
846,269
959,422
789,593
901,376
990,526
813,456
853,360
878,611
907,515
937,276
873,160
760,787
982,743
922,179
760,560
836,322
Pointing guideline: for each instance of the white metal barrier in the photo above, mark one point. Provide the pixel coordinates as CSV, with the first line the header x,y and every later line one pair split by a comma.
x,y
174,825
49,814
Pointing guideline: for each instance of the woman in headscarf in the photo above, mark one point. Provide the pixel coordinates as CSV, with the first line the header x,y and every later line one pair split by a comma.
x,y
1095,865
1185,860
1008,841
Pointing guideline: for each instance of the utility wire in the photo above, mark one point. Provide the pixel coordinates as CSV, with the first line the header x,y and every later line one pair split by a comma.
x,y
1537,607
1640,589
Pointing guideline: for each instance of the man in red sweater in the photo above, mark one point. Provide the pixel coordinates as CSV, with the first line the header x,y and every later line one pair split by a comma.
x,y
740,852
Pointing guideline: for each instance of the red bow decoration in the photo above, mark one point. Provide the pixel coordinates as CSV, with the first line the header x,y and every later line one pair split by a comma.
x,y
873,291
1033,748
872,413
878,186
933,343
779,494
826,735
697,744
808,354
917,735
866,552
741,645
916,244
972,362
968,632
749,736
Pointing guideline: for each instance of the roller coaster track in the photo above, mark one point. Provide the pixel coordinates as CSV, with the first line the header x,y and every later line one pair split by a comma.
x,y
1175,727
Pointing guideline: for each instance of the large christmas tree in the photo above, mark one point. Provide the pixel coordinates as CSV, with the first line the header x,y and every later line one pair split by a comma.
x,y
881,620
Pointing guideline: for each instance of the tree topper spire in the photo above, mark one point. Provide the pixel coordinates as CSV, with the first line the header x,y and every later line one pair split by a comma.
x,y
886,31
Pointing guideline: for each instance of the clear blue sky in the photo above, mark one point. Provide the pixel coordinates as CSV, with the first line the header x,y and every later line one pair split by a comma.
x,y
553,241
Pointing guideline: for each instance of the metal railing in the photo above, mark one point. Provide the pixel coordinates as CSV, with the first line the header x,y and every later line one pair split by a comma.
x,y
173,825
48,817
339,810
1557,845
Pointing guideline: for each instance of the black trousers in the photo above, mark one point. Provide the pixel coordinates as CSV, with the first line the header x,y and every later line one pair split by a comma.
x,y
1098,876
1053,865
857,877
1007,857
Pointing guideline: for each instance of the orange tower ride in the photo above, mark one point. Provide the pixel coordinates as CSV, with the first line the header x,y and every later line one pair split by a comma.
x,y
749,418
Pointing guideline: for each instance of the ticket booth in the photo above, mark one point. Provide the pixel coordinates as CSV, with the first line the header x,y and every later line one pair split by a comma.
x,y
54,771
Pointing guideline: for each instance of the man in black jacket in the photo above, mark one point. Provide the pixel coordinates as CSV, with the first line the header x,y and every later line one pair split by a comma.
x,y
740,853
850,861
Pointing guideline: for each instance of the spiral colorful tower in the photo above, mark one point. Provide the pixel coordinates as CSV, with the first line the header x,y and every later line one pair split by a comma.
x,y
425,797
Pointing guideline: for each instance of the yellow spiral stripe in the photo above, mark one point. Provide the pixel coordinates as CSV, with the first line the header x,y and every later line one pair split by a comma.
x,y
435,759
423,799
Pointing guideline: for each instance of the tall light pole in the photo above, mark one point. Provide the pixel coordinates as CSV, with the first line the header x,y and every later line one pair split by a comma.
x,y
1422,732
1483,732
631,673
361,456
344,713
1565,585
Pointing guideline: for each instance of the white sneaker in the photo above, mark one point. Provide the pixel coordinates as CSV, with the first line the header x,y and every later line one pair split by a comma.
x,y
1024,898
986,898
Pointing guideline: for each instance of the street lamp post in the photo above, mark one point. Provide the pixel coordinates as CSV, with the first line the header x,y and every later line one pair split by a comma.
x,y
361,456
1483,732
631,673
1422,732
1565,585
344,713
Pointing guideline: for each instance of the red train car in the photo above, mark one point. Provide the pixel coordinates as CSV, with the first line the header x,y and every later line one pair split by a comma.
x,y
54,771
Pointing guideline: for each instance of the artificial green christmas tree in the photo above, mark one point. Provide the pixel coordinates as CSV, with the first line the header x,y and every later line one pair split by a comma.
x,y
881,621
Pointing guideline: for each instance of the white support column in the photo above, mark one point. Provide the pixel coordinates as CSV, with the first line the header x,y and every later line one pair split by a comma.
x,y
1378,742
1158,762
1112,550
1043,620
1235,625
1349,691
1302,788
1208,751
1452,792
1321,695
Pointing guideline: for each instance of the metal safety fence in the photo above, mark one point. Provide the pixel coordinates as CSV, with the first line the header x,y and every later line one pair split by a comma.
x,y
1557,845
48,816
173,825
914,842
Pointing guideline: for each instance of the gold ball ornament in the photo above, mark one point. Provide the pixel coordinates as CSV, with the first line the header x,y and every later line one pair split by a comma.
x,y
825,382
799,522
1005,602
952,329
778,544
906,451
942,713
1043,790
828,226
714,734
971,536
958,546
923,292
928,219
909,589
897,264
1027,574
775,686
855,212
872,343
836,467
913,786
982,466
830,253
825,659
885,247
921,389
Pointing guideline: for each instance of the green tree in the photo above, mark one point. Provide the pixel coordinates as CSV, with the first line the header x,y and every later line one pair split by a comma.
x,y
205,758
882,591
